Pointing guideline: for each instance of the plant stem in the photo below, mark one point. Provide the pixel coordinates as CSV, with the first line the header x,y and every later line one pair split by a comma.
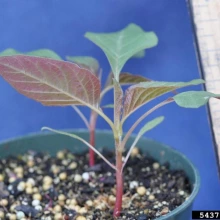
x,y
93,118
119,181
82,116
91,127
118,96
91,152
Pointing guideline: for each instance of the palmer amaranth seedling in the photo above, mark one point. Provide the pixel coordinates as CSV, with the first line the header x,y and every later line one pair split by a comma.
x,y
54,82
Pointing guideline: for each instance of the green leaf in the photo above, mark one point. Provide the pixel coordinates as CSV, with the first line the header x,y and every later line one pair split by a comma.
x,y
9,52
38,53
141,93
122,45
194,99
147,127
139,54
150,125
86,62
44,53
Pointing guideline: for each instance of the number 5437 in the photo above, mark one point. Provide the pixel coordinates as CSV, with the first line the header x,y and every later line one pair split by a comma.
x,y
209,215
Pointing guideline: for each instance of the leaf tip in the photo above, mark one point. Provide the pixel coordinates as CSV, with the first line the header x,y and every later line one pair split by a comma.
x,y
156,38
87,35
133,25
161,118
44,128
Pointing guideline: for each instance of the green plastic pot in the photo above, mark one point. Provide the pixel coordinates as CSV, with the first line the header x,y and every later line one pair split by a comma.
x,y
52,143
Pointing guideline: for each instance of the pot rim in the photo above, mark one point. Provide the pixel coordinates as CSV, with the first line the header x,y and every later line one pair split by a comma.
x,y
177,210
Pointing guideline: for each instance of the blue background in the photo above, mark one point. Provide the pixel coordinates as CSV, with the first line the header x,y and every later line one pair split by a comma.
x,y
60,26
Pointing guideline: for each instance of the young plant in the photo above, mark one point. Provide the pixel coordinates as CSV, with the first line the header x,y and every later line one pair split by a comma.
x,y
124,79
54,82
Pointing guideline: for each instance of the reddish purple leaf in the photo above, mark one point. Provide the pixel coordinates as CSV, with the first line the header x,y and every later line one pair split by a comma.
x,y
51,82
126,79
85,62
141,93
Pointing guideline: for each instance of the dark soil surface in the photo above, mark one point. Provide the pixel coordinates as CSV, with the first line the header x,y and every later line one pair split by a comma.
x,y
38,186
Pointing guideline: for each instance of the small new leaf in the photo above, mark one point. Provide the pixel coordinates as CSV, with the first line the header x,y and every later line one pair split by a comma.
x,y
194,99
147,127
122,45
51,82
141,93
44,53
9,52
38,53
85,62
150,125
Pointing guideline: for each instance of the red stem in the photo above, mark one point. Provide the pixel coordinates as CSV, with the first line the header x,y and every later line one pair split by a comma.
x,y
93,118
119,184
91,152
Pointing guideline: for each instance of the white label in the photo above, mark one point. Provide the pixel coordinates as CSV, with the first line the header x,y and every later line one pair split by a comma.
x,y
206,15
